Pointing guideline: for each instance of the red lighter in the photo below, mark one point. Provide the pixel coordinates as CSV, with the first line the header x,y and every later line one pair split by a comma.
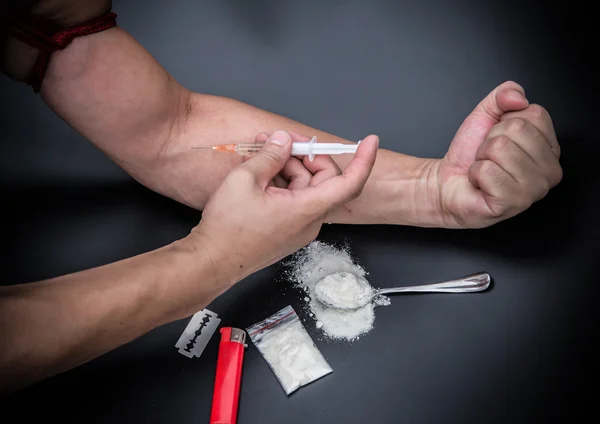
x,y
229,376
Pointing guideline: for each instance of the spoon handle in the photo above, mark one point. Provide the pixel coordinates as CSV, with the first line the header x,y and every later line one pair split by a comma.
x,y
471,283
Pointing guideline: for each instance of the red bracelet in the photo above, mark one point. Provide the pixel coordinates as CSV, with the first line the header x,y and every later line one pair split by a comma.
x,y
47,37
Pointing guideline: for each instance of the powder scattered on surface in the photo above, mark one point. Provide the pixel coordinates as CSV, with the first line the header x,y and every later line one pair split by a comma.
x,y
345,324
316,261
381,300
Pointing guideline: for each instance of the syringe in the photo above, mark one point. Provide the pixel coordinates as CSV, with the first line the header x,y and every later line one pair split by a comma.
x,y
309,149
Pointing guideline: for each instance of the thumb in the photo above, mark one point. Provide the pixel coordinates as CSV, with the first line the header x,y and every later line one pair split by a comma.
x,y
341,189
507,97
271,158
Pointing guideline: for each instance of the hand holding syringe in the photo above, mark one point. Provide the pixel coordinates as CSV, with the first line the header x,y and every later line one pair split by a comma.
x,y
309,149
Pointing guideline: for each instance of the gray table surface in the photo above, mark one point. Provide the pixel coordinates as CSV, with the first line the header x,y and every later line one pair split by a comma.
x,y
410,72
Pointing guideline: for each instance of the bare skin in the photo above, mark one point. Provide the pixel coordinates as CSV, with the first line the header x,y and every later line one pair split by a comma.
x,y
504,157
111,90
80,316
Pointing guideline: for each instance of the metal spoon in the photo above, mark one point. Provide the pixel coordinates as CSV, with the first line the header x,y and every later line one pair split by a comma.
x,y
471,283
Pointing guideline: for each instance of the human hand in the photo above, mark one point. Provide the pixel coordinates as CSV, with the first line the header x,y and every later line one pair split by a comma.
x,y
504,157
273,204
313,172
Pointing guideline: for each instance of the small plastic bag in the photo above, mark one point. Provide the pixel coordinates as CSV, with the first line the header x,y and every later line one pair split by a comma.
x,y
289,350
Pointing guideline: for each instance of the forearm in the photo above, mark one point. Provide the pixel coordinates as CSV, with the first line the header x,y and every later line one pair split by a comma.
x,y
80,316
400,190
111,90
156,150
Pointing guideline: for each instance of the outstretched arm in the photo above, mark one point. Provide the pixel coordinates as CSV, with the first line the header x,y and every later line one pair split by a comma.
x,y
50,326
111,90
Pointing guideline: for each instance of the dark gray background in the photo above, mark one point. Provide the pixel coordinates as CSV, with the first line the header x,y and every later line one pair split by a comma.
x,y
410,72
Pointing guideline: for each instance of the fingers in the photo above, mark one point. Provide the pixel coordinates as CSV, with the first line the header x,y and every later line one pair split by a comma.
x,y
296,174
343,188
298,138
501,143
278,182
540,118
502,193
515,162
271,158
305,173
507,97
302,174
323,167
327,186
262,137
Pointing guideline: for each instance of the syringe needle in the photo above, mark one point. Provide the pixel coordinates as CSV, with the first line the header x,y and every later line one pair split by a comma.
x,y
232,148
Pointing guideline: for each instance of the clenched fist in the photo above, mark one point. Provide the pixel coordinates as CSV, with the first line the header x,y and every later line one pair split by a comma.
x,y
504,157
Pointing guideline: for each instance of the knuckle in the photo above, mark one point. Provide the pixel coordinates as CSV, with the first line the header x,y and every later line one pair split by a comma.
x,y
488,167
558,149
538,112
556,176
545,187
475,169
516,125
524,202
500,210
496,146
270,155
262,136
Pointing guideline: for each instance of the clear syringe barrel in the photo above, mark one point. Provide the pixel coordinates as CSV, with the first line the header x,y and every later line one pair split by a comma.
x,y
309,149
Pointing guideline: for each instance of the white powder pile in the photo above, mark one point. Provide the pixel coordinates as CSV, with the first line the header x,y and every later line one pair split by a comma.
x,y
316,261
338,324
343,290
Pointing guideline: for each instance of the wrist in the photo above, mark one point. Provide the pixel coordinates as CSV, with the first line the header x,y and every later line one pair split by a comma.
x,y
402,190
202,273
213,258
428,210
218,252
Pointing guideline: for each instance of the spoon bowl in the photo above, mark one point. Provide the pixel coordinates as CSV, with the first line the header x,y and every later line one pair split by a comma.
x,y
365,293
